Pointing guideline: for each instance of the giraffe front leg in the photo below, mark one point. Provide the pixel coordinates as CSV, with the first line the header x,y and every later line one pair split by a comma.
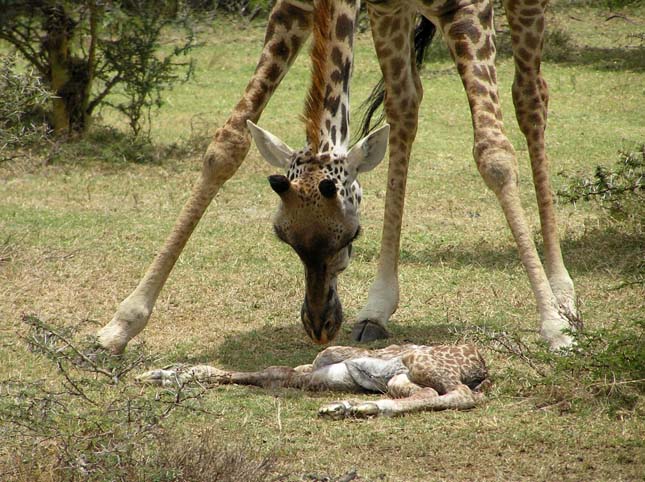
x,y
392,30
289,26
470,36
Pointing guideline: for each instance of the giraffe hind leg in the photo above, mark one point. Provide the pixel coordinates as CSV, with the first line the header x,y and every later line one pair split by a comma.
x,y
425,399
530,99
470,37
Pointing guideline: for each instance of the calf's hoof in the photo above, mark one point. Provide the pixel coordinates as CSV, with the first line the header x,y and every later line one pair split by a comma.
x,y
364,410
334,411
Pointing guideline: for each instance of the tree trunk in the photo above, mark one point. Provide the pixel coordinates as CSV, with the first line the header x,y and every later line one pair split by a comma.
x,y
58,28
70,78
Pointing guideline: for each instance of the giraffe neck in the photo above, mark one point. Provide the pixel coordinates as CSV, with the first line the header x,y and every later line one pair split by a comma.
x,y
327,107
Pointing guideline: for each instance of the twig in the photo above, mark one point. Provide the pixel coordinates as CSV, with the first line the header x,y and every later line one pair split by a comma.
x,y
624,284
72,347
625,382
622,17
77,390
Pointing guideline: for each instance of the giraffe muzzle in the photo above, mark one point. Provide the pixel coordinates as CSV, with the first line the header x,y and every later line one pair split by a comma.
x,y
322,320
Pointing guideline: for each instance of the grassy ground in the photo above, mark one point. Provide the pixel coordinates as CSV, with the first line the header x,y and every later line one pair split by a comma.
x,y
76,237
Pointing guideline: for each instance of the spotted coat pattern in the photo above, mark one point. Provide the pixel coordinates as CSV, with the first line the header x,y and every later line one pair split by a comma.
x,y
416,378
467,27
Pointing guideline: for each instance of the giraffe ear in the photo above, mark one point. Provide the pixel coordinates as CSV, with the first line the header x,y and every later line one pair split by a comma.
x,y
274,151
369,151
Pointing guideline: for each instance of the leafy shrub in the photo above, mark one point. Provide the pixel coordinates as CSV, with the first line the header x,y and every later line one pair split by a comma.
x,y
87,422
92,54
612,188
605,369
22,105
619,189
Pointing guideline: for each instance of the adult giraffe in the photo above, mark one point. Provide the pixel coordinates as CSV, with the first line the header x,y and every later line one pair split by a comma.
x,y
314,188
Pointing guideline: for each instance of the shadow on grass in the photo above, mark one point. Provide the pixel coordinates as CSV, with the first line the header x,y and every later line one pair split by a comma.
x,y
270,345
624,59
559,49
607,249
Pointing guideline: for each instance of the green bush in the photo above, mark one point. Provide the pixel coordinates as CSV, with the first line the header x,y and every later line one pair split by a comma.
x,y
620,189
23,104
88,422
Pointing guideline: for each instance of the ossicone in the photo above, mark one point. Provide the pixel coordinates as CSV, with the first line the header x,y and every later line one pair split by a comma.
x,y
327,188
279,183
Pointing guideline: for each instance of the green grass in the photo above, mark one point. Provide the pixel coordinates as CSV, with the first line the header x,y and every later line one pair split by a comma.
x,y
76,236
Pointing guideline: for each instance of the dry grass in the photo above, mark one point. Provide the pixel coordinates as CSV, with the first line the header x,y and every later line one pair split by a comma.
x,y
75,238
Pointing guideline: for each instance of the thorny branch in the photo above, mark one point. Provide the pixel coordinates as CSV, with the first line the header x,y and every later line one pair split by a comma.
x,y
90,424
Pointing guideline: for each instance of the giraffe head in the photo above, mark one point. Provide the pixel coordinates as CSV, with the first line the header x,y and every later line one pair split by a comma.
x,y
318,216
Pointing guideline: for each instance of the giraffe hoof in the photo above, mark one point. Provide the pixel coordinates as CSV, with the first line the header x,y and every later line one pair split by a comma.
x,y
334,411
158,377
368,330
364,410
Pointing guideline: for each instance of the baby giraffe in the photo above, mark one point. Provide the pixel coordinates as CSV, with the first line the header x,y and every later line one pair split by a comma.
x,y
416,377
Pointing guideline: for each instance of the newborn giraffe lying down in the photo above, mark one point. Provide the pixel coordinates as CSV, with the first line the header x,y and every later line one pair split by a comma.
x,y
416,377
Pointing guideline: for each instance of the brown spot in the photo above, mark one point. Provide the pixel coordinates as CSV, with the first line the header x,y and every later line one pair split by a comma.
x,y
398,42
462,50
280,50
397,65
535,118
332,103
344,128
481,72
486,14
524,54
488,106
298,15
486,50
531,12
273,72
510,5
531,41
384,26
384,52
521,66
344,28
465,28
478,89
395,26
485,120
296,43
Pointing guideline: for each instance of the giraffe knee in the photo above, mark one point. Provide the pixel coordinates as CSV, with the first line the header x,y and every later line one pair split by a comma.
x,y
225,154
498,168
